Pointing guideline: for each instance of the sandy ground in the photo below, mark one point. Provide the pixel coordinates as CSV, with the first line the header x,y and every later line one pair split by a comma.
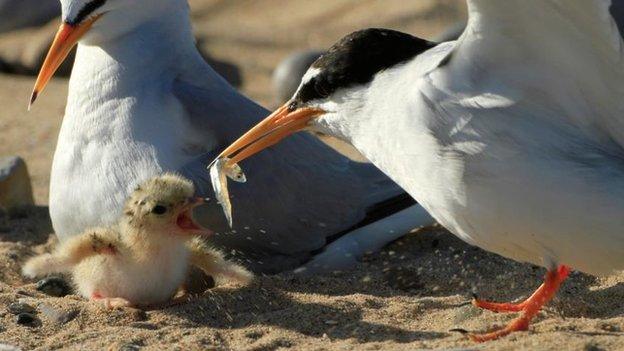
x,y
407,297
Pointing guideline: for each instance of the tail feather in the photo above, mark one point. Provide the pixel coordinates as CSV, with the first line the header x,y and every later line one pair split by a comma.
x,y
344,252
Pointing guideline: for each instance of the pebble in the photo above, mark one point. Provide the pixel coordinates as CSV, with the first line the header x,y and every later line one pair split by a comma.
x,y
57,315
15,189
20,307
54,286
27,319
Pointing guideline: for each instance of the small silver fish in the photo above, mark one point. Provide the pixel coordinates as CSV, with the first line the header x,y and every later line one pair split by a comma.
x,y
219,172
235,173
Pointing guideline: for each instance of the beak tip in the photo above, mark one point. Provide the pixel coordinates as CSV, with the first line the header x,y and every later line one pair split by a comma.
x,y
33,98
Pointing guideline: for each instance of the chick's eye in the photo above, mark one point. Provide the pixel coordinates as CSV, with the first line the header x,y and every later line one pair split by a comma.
x,y
159,209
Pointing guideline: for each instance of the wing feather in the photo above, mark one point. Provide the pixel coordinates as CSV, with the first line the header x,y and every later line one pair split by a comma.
x,y
565,53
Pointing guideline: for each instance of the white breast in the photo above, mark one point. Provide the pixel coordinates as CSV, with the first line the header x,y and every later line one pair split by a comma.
x,y
495,170
120,128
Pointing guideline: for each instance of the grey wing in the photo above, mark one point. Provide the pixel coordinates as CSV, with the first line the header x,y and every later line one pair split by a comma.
x,y
298,192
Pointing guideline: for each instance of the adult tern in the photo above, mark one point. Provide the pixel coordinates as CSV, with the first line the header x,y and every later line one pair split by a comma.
x,y
142,102
512,137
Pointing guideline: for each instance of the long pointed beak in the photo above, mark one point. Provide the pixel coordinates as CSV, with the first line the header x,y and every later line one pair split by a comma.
x,y
277,126
64,41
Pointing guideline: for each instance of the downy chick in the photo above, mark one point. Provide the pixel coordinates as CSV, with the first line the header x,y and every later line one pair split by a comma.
x,y
143,260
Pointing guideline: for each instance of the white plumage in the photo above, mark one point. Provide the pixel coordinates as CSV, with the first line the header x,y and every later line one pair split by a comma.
x,y
512,136
142,101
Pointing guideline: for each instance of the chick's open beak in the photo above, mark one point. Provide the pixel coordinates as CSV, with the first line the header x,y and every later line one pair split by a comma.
x,y
277,126
64,41
185,220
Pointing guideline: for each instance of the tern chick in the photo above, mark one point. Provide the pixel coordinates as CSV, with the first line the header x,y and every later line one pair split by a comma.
x,y
144,259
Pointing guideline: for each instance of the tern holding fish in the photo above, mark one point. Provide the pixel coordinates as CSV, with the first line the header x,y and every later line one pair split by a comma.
x,y
512,137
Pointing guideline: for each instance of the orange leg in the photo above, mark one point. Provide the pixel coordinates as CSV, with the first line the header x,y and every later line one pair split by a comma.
x,y
529,308
500,307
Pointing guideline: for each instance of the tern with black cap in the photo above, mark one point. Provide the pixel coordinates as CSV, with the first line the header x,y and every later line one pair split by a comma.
x,y
512,137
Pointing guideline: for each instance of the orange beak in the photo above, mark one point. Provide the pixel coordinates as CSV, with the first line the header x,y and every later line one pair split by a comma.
x,y
64,41
277,126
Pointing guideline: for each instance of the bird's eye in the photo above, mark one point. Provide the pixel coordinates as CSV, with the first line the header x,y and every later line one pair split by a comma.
x,y
292,106
159,209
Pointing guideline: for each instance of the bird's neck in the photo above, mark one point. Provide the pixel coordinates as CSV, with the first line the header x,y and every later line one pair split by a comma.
x,y
116,73
143,53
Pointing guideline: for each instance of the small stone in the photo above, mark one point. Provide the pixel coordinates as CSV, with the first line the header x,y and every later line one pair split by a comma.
x,y
27,319
54,286
57,315
15,189
20,307
331,322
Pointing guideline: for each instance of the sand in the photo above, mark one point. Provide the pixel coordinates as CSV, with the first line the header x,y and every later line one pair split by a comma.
x,y
406,297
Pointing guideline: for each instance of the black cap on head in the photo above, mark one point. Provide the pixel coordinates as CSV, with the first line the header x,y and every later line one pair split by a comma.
x,y
86,11
357,58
